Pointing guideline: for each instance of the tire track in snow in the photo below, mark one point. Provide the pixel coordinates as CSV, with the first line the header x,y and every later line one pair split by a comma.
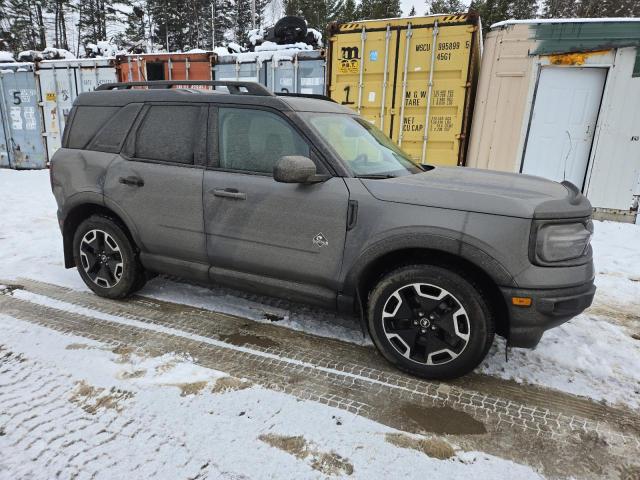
x,y
362,390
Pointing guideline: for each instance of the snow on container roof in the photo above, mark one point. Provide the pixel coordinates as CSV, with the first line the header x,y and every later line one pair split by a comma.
x,y
266,52
11,67
565,20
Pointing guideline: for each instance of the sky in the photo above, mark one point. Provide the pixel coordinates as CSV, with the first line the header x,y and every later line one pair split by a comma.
x,y
421,6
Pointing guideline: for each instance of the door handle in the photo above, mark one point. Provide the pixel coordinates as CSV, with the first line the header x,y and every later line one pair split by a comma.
x,y
135,181
230,193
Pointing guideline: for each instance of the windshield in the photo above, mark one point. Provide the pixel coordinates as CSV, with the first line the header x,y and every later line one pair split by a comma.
x,y
367,151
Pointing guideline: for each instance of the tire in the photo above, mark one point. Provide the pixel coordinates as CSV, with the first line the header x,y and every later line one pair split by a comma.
x,y
114,271
440,329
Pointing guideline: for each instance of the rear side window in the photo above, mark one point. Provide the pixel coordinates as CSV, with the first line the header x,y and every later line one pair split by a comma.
x,y
112,134
254,140
168,134
86,123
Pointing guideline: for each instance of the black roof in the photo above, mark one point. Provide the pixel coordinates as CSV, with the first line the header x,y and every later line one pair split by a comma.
x,y
111,95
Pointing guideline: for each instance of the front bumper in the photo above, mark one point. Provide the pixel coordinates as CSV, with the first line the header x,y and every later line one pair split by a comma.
x,y
548,309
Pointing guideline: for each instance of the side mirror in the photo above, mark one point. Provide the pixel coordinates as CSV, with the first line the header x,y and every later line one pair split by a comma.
x,y
294,169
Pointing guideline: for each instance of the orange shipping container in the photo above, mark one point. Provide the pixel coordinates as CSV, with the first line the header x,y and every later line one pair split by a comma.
x,y
164,66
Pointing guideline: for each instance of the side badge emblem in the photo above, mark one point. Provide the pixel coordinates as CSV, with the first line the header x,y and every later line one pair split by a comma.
x,y
320,241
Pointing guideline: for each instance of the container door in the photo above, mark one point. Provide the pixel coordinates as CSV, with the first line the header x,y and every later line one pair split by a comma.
x,y
57,90
311,77
5,135
280,77
362,53
23,147
89,77
562,125
429,131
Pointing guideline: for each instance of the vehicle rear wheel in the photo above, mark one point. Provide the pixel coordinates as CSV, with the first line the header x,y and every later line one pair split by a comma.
x,y
106,258
430,321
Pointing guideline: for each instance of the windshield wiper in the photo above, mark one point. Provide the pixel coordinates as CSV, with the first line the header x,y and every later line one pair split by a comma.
x,y
376,176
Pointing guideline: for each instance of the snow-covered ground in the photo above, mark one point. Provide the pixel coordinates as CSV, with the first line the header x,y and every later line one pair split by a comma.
x,y
595,355
156,416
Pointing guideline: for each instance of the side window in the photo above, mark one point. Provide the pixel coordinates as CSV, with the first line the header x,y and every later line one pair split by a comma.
x,y
168,134
115,130
254,140
86,123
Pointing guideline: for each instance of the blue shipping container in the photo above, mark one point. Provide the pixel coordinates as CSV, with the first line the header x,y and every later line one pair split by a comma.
x,y
21,143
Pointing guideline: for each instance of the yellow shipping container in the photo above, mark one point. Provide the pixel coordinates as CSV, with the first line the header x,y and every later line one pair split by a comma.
x,y
375,64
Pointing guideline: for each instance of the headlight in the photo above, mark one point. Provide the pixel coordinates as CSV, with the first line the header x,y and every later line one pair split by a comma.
x,y
564,241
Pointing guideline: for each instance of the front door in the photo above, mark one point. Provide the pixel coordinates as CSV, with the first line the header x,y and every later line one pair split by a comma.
x,y
564,118
258,227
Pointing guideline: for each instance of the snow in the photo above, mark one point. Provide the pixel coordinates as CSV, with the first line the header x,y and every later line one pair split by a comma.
x,y
52,53
29,55
16,67
316,34
104,49
594,355
266,52
565,20
6,57
203,428
235,47
271,46
255,35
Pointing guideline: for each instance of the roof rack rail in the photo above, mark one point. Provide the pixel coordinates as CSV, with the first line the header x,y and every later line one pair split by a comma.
x,y
306,95
234,87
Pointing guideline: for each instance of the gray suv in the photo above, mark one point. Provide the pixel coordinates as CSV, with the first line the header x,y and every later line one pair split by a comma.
x,y
300,198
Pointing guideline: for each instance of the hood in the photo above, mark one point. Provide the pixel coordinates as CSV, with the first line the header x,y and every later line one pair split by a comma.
x,y
484,191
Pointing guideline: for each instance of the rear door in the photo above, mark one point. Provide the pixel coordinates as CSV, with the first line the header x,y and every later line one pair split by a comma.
x,y
157,180
563,122
257,226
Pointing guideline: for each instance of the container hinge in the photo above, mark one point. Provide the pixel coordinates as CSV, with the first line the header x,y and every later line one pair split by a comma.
x,y
352,214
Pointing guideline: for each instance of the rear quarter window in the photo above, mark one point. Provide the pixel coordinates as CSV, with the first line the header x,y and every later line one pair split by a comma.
x,y
87,120
101,129
110,137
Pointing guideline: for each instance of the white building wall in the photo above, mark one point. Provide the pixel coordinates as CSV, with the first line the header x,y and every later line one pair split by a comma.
x,y
615,157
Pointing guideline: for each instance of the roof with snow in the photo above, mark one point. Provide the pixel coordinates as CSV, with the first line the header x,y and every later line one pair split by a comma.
x,y
566,20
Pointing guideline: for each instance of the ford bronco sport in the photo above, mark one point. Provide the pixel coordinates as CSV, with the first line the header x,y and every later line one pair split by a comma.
x,y
302,199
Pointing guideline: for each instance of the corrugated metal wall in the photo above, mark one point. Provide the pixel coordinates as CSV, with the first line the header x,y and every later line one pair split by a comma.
x,y
60,82
414,78
21,145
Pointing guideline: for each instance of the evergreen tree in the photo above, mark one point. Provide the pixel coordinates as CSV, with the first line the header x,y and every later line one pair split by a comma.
x,y
93,17
372,9
523,9
242,20
135,34
491,11
349,12
296,7
320,13
559,8
223,20
412,12
23,25
445,6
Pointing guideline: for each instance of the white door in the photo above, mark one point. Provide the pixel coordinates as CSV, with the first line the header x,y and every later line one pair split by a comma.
x,y
563,122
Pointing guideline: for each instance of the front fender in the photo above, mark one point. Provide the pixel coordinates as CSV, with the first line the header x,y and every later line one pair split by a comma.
x,y
436,239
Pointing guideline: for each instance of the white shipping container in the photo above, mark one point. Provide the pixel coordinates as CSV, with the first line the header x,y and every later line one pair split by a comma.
x,y
60,82
571,115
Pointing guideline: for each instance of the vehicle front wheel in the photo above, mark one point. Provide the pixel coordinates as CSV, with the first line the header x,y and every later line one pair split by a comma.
x,y
430,321
106,258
